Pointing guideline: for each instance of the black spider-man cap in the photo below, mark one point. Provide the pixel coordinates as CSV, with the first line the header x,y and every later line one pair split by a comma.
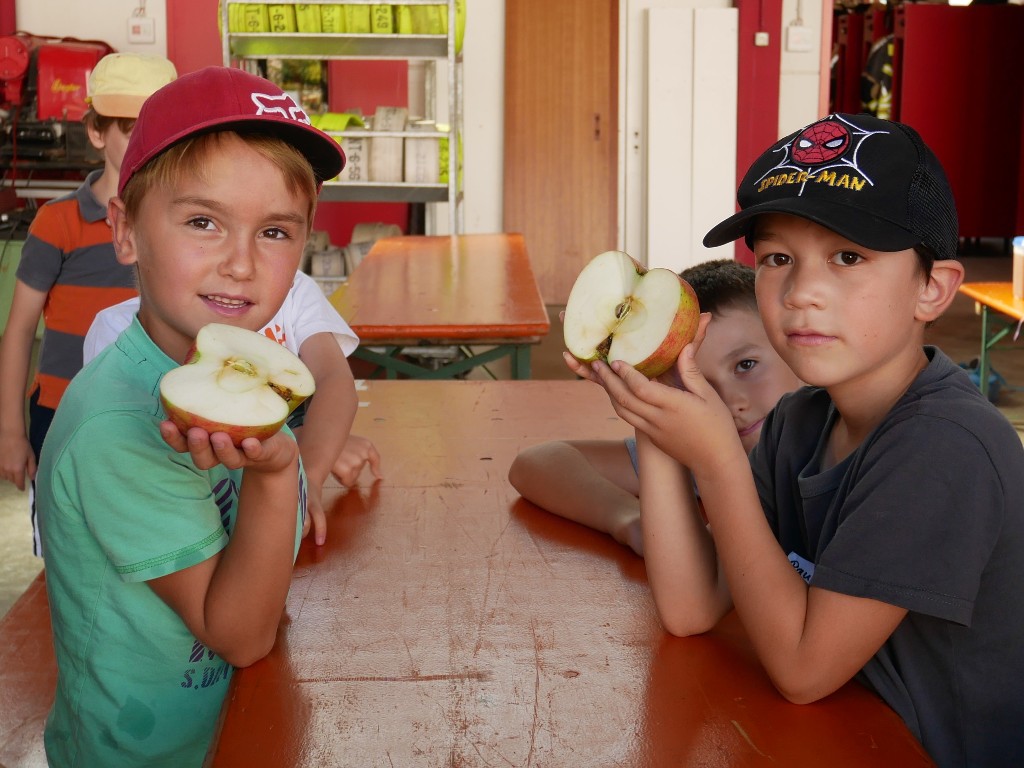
x,y
873,181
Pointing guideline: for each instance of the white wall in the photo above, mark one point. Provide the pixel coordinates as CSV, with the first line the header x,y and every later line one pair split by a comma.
x,y
104,20
799,93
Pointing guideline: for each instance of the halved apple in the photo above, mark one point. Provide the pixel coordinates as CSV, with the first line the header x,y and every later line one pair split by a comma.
x,y
619,310
235,381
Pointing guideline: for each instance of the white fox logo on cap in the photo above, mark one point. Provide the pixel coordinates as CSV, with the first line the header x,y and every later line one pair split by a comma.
x,y
282,104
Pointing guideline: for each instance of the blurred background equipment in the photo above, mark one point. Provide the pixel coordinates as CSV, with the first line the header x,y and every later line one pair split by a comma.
x,y
42,100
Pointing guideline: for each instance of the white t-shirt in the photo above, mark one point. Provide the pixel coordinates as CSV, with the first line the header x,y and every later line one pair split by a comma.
x,y
305,312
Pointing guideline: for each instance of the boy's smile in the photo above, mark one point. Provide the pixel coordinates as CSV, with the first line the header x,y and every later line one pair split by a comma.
x,y
223,247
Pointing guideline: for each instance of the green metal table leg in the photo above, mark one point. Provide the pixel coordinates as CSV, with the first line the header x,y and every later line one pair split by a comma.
x,y
983,361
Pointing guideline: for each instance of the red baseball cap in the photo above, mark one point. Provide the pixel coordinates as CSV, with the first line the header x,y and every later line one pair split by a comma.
x,y
219,99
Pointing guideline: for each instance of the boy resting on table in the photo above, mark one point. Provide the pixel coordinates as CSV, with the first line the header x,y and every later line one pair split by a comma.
x,y
595,482
168,556
877,530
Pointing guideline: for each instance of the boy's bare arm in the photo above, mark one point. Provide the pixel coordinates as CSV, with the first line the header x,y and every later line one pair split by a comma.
x,y
328,419
811,641
16,458
682,566
232,602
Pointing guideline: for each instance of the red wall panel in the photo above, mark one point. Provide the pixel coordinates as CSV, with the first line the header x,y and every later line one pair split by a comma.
x,y
960,83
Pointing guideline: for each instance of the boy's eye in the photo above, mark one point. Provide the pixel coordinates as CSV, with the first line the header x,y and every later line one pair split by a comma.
x,y
847,258
746,366
775,259
275,233
200,222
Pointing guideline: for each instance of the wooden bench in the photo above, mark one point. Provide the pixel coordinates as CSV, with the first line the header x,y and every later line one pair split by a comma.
x,y
421,294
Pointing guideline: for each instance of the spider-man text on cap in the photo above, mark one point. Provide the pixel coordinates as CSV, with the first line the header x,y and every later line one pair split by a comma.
x,y
821,143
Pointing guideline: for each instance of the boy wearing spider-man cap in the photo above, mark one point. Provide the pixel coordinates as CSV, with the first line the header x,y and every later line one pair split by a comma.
x,y
877,530
168,557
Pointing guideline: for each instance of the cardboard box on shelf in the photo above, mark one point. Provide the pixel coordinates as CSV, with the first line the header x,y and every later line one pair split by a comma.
x,y
422,156
386,151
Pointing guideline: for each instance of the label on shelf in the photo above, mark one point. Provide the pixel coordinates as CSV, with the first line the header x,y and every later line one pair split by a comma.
x,y
332,19
307,19
382,19
281,18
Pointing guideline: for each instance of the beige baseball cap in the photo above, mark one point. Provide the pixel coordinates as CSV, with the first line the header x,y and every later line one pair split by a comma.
x,y
120,82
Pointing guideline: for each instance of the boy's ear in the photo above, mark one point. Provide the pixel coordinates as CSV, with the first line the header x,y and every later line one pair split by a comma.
x,y
121,231
96,137
940,290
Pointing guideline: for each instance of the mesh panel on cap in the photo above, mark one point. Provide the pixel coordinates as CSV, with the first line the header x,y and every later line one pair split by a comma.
x,y
930,204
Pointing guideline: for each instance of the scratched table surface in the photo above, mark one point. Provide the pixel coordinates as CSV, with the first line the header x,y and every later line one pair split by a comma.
x,y
448,622
440,289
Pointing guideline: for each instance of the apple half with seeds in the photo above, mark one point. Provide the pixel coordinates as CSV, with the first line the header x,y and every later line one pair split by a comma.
x,y
235,381
619,310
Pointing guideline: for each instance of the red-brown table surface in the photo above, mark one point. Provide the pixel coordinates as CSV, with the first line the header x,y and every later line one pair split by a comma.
x,y
447,622
445,290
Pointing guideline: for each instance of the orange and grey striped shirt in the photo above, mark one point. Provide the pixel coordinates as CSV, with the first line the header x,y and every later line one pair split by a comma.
x,y
69,255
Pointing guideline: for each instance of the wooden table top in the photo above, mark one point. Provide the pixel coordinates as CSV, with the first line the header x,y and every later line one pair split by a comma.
x,y
465,288
999,296
449,622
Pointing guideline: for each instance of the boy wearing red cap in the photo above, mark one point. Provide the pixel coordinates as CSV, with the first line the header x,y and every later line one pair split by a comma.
x,y
877,531
68,271
169,556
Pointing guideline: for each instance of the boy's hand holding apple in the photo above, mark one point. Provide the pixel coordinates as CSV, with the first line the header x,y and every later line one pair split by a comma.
x,y
228,401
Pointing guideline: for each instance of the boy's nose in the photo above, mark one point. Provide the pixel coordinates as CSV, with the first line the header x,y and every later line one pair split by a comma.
x,y
803,287
240,260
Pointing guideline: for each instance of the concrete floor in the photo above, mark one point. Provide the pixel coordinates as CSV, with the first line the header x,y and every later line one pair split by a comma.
x,y
958,333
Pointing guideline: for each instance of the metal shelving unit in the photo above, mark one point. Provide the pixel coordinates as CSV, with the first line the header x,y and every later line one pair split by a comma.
x,y
439,51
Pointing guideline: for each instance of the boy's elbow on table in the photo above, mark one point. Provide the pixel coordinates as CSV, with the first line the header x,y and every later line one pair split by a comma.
x,y
250,652
688,622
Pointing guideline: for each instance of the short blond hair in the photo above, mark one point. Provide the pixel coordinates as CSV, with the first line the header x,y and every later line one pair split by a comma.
x,y
189,158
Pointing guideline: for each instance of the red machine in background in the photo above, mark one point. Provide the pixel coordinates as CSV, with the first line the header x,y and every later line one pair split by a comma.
x,y
42,100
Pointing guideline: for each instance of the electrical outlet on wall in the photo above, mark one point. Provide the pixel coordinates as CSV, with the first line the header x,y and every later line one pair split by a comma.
x,y
141,29
799,39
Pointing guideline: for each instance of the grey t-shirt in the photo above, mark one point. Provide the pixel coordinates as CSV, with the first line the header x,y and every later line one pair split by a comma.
x,y
927,514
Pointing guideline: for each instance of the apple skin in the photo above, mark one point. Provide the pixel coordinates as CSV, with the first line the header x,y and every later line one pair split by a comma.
x,y
684,328
681,331
184,421
231,344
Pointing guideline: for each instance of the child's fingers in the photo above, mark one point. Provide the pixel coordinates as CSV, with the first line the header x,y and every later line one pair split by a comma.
x,y
173,437
582,370
234,457
373,459
686,363
621,380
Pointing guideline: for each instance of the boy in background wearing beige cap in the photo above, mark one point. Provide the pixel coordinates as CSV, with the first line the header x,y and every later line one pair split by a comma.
x,y
68,270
